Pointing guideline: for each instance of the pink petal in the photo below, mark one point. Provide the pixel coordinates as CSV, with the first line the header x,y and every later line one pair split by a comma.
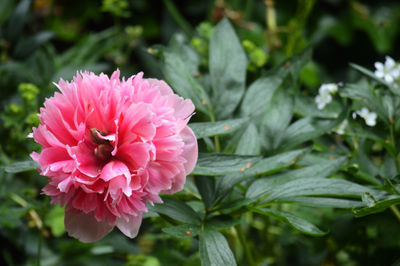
x,y
117,185
44,137
161,85
115,168
84,156
136,155
182,108
131,227
190,149
65,185
85,202
85,227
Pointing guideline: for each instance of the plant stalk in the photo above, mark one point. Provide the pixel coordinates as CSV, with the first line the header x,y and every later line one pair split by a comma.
x,y
39,252
393,208
179,19
247,251
395,211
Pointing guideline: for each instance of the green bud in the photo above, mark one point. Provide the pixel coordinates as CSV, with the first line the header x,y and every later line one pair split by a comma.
x,y
28,92
33,119
15,108
134,32
199,45
205,30
117,8
258,57
248,46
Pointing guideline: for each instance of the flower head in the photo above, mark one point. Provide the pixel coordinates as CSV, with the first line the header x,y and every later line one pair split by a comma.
x,y
329,88
369,117
324,97
109,147
389,71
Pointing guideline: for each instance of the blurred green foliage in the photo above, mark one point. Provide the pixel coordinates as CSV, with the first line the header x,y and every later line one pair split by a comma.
x,y
42,41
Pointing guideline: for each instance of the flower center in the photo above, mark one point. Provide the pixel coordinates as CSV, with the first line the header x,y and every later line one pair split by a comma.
x,y
104,147
103,151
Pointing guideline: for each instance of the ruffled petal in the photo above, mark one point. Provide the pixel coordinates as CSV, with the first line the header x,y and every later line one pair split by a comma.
x,y
190,149
129,227
85,227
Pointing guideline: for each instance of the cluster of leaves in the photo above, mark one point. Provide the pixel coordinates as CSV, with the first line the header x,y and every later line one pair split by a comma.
x,y
266,159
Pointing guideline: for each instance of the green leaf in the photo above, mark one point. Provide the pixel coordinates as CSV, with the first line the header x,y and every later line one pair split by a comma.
x,y
296,222
306,106
318,186
367,94
67,72
228,207
222,221
55,220
378,206
228,64
6,7
177,210
22,166
249,143
17,20
178,46
182,81
212,164
206,187
267,185
214,249
259,95
372,75
307,129
28,46
11,217
296,63
208,129
277,118
183,230
265,166
88,50
324,202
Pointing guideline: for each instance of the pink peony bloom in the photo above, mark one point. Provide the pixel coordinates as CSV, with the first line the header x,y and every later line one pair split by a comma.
x,y
109,146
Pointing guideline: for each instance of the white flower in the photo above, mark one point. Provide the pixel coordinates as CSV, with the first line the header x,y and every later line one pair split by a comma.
x,y
323,99
328,88
369,117
340,129
389,71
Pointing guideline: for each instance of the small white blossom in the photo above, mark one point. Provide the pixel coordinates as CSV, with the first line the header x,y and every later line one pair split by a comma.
x,y
324,97
369,117
389,71
340,129
328,88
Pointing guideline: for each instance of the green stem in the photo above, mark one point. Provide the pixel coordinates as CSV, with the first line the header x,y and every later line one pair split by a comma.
x,y
270,15
248,9
395,211
247,251
393,142
39,252
393,208
179,19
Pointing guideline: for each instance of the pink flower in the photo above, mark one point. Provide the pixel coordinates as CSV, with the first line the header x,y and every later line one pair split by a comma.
x,y
109,146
